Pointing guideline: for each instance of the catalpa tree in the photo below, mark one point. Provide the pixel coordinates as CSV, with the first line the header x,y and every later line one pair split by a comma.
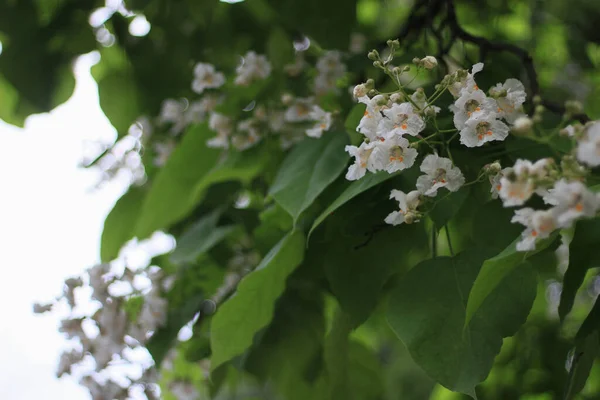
x,y
369,200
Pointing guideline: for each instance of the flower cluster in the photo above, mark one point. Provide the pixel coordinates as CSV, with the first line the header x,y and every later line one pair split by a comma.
x,y
561,187
108,337
393,122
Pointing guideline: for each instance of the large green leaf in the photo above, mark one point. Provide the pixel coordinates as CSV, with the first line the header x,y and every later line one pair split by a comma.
x,y
120,223
352,190
427,311
118,96
291,344
200,238
171,195
308,170
358,271
353,372
581,259
251,307
496,269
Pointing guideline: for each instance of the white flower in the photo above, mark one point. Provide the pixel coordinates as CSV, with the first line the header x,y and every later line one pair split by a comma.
x,y
539,225
588,149
206,77
572,200
470,104
495,182
363,161
439,173
408,204
323,122
171,111
330,68
252,67
358,42
482,127
247,134
393,154
401,119
510,97
198,110
517,185
467,82
299,110
223,126
360,93
372,116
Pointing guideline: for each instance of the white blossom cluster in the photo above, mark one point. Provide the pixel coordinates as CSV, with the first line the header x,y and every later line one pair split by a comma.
x,y
392,125
563,189
108,338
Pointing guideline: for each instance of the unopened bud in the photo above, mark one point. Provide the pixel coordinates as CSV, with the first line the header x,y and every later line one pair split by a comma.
x,y
377,64
406,68
394,44
416,61
287,99
373,55
410,218
522,126
493,168
397,98
573,107
372,92
429,62
396,70
539,109
370,83
360,91
537,99
537,118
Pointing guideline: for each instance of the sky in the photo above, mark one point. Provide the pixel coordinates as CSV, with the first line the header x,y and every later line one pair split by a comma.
x,y
51,219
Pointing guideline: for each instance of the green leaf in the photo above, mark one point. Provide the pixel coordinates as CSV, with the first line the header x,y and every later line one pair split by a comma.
x,y
200,238
447,207
241,166
251,308
496,269
118,96
352,190
291,344
120,223
427,311
336,356
308,170
352,121
584,355
581,259
357,271
171,196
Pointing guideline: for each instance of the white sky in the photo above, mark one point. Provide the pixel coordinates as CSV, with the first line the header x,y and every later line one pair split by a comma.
x,y
50,227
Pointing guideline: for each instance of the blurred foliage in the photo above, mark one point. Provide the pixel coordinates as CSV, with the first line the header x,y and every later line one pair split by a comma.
x,y
312,321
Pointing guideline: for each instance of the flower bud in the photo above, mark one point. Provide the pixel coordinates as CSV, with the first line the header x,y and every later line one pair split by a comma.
x,y
429,62
397,70
397,98
416,61
360,91
372,92
377,64
573,107
370,83
493,168
522,126
537,118
410,218
406,68
539,109
287,99
537,99
394,44
373,55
